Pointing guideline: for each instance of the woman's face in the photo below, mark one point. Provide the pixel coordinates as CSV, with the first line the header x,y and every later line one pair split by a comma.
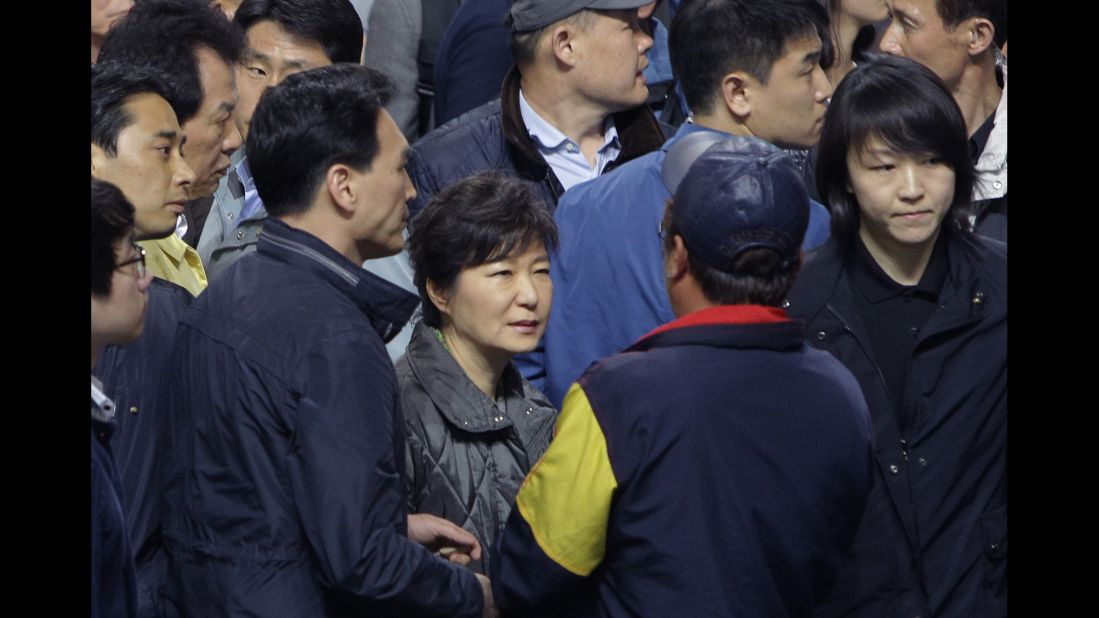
x,y
499,308
903,197
864,11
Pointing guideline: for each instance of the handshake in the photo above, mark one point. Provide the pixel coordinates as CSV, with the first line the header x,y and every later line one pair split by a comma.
x,y
453,543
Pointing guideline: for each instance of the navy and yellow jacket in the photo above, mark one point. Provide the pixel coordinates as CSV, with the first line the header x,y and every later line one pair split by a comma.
x,y
718,467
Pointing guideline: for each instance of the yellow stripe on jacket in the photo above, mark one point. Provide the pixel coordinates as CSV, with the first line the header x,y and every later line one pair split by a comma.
x,y
566,498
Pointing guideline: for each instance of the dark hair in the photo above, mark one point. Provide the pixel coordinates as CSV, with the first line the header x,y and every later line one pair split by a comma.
x,y
524,45
310,122
333,24
113,83
906,106
759,276
711,38
167,34
112,220
474,221
953,12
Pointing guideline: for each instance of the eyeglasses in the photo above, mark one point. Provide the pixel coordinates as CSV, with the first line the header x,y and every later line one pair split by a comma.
x,y
139,259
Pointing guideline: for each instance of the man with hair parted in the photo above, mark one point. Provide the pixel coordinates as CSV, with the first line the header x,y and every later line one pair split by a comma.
x,y
572,108
960,40
137,144
719,466
285,475
282,37
196,47
747,67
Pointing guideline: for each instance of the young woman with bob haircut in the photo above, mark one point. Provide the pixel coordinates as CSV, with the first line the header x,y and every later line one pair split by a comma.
x,y
915,305
474,426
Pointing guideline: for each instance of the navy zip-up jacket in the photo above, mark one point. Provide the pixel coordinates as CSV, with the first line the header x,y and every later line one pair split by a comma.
x,y
718,467
285,475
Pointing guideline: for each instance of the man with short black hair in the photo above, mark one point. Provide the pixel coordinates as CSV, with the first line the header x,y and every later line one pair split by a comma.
x,y
282,37
960,41
284,481
196,47
719,466
747,67
137,145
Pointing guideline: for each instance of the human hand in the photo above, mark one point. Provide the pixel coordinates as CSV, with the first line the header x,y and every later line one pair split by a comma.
x,y
490,610
444,538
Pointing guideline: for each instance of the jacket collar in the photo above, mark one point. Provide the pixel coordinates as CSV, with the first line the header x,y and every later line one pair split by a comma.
x,y
728,326
456,396
388,306
639,133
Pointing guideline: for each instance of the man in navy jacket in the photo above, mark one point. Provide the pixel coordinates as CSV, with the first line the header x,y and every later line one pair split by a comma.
x,y
285,472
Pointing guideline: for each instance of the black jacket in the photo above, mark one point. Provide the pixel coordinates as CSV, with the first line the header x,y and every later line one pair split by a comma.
x,y
934,539
132,375
493,137
467,455
285,473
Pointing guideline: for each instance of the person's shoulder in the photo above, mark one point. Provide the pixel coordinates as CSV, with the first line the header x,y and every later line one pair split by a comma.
x,y
480,122
639,178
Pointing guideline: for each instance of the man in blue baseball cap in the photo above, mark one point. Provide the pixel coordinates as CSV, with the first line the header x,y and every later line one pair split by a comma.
x,y
718,466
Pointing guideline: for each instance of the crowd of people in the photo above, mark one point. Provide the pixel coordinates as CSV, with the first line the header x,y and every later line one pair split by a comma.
x,y
549,308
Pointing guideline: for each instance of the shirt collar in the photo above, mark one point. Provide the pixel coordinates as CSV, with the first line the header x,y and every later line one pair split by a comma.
x,y
389,306
548,138
877,286
980,137
102,406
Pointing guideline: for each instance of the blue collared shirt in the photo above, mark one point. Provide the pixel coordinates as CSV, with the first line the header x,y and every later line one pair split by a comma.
x,y
252,202
562,154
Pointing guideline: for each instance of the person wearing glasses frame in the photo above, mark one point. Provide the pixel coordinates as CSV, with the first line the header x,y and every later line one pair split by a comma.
x,y
119,285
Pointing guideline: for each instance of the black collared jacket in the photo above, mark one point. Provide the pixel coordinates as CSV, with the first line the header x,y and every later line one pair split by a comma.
x,y
493,137
285,473
934,539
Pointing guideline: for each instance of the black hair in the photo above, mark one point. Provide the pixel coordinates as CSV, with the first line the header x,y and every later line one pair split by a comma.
x,y
310,122
112,221
953,12
474,221
711,38
333,24
167,34
906,106
113,83
759,276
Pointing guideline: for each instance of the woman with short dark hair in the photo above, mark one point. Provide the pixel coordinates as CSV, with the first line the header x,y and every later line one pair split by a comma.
x,y
915,305
474,426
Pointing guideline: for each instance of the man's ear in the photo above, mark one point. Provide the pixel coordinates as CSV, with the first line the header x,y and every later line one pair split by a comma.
x,y
736,93
981,33
341,190
675,260
561,41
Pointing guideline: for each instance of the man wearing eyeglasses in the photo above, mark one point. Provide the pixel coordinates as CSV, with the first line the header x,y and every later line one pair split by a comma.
x,y
137,146
119,286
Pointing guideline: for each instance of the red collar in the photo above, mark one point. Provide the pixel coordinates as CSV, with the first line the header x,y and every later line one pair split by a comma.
x,y
726,314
